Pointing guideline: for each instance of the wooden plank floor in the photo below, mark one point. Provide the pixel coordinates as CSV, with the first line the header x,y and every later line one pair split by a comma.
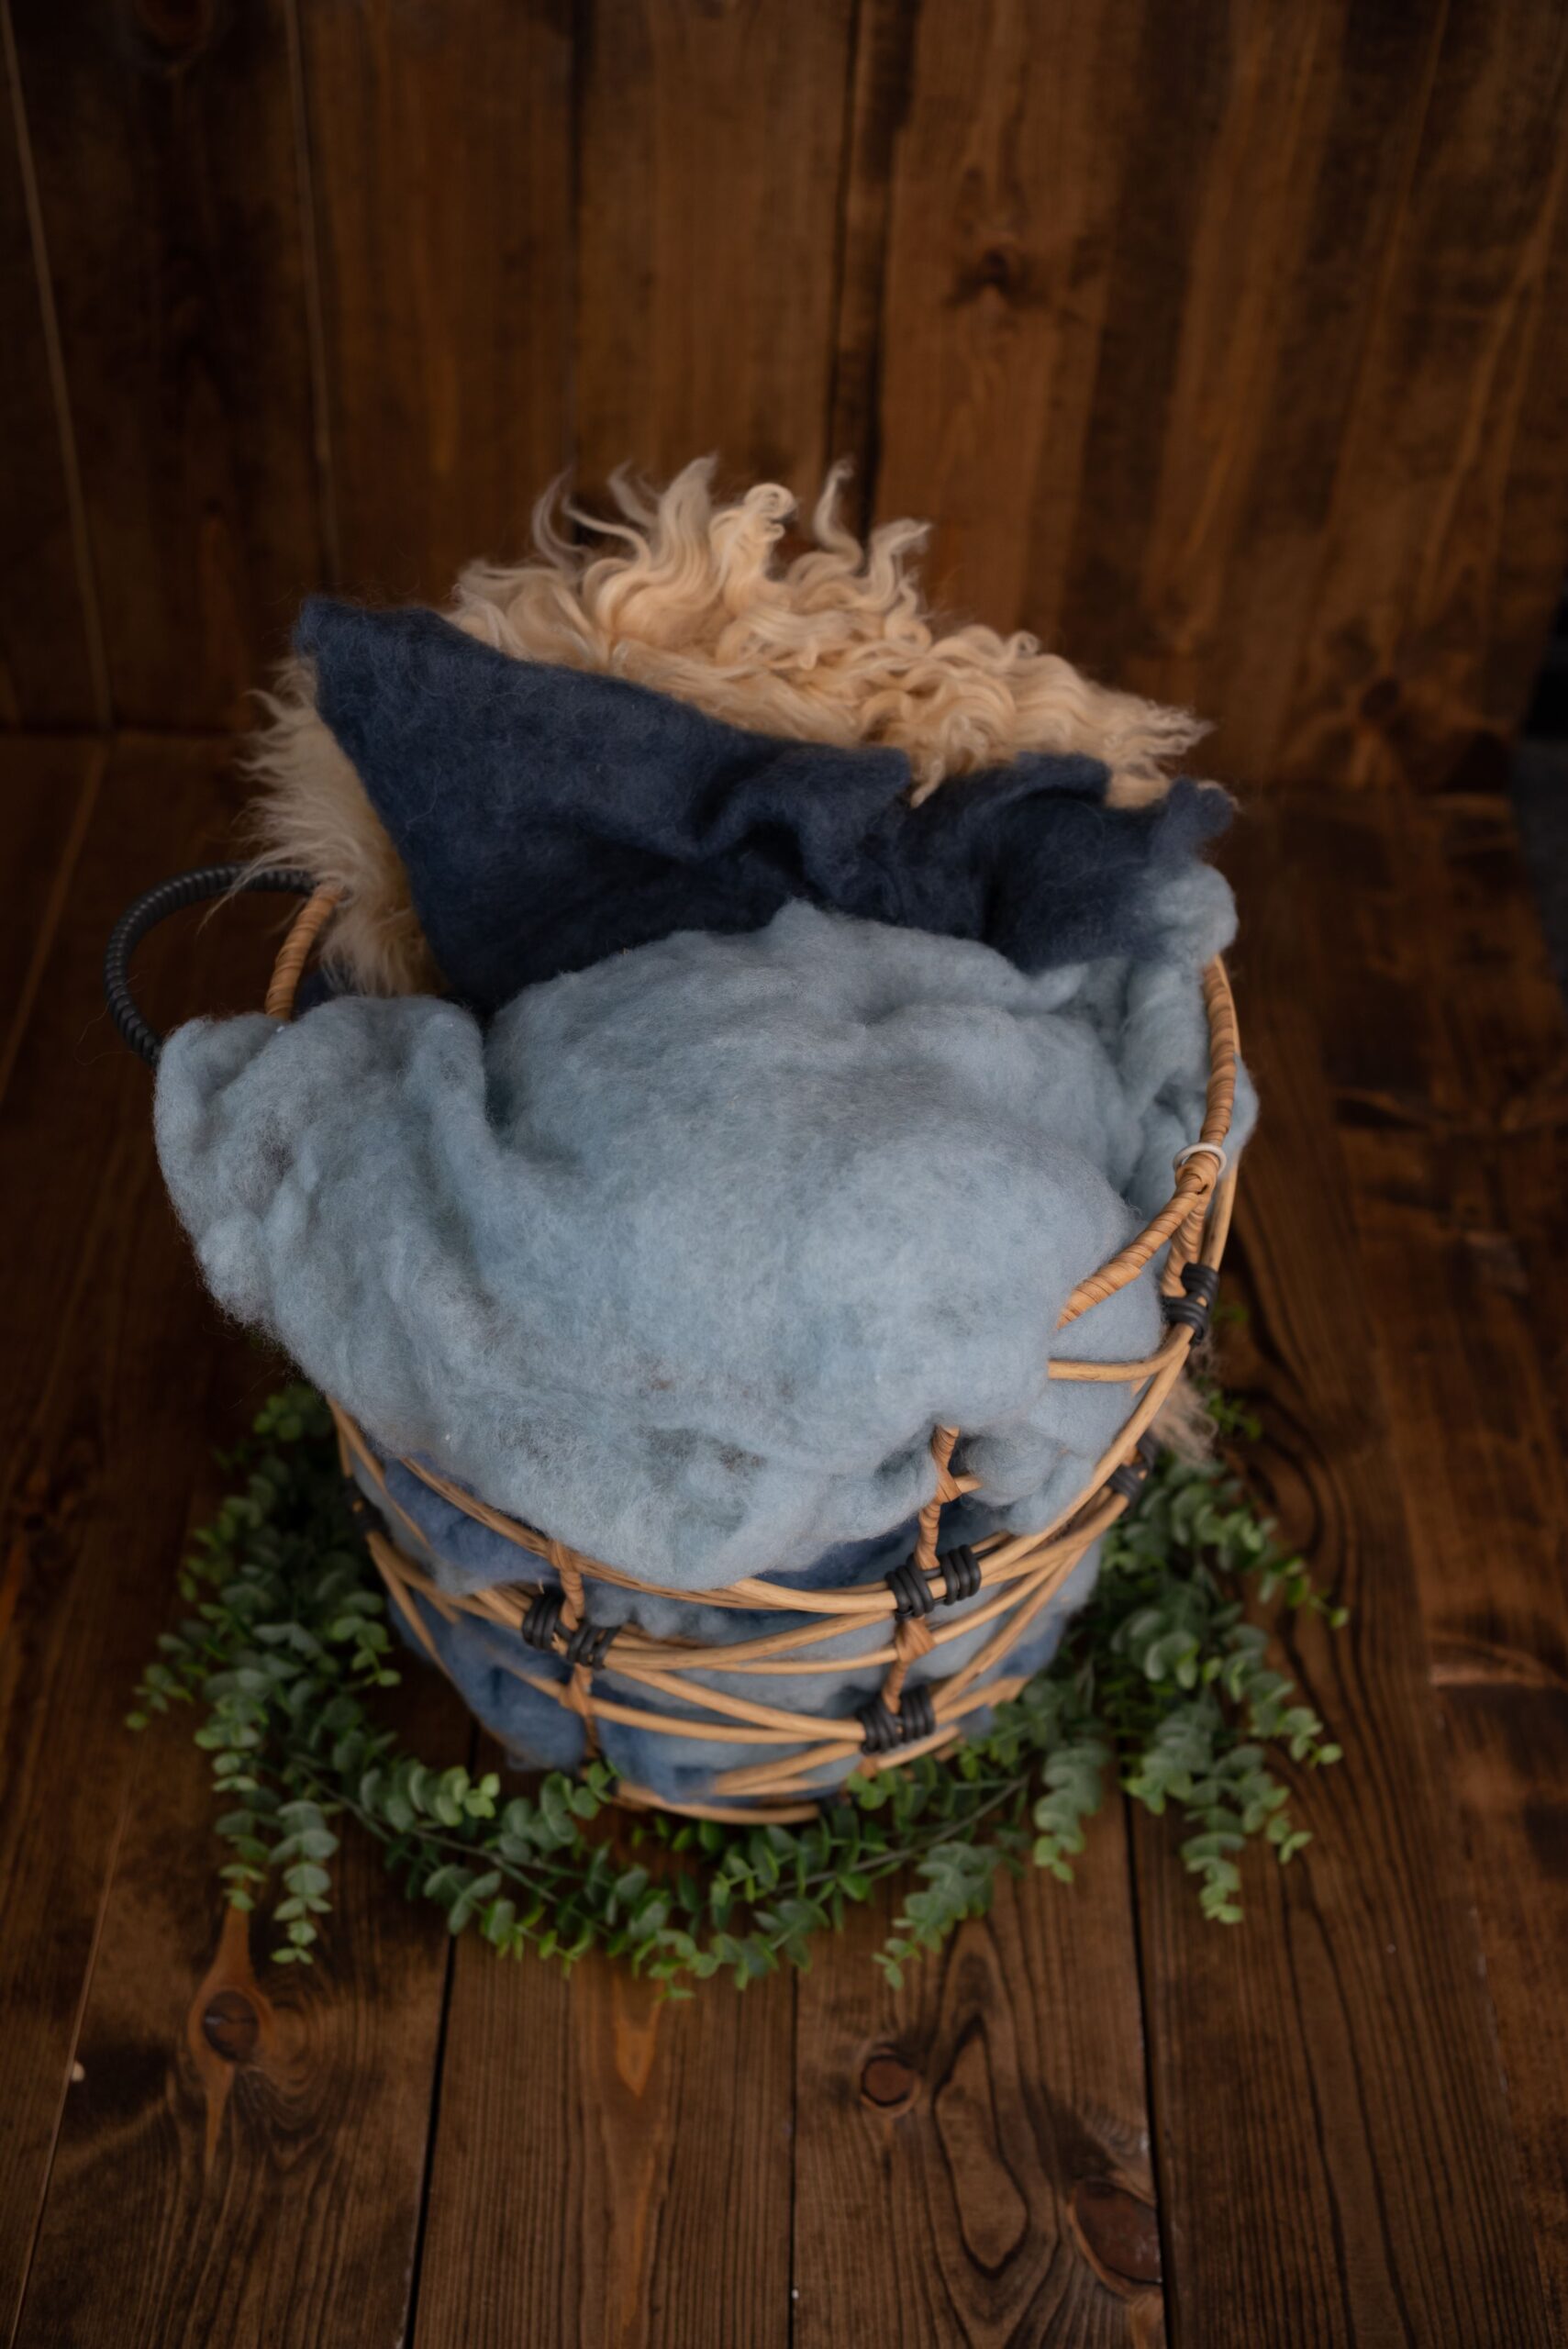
x,y
1096,2119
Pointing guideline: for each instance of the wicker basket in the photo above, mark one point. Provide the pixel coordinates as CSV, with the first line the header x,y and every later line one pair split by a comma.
x,y
1007,1579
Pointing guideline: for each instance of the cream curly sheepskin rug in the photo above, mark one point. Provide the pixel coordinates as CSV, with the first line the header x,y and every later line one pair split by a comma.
x,y
687,594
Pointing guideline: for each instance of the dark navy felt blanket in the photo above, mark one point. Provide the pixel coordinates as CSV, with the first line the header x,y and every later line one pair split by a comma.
x,y
547,817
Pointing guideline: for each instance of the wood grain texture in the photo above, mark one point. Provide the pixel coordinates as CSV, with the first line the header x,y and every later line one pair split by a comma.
x,y
103,1369
1508,1761
609,2170
1384,2197
1003,201
1228,356
1267,161
47,674
242,2153
164,148
972,2154
48,787
1227,349
285,2210
1447,1047
884,53
441,154
710,153
1416,653
1447,1135
1502,1022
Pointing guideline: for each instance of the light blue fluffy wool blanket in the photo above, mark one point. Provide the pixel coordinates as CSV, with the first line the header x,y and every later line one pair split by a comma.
x,y
684,1256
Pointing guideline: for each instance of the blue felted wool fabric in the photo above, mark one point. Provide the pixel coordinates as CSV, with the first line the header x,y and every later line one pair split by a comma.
x,y
547,817
679,1768
683,1258
499,1677
461,1555
507,1685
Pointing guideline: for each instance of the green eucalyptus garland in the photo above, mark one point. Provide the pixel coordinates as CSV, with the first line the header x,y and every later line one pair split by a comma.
x,y
1163,1676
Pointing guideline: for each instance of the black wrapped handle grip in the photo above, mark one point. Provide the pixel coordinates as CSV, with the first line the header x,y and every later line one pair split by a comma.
x,y
155,905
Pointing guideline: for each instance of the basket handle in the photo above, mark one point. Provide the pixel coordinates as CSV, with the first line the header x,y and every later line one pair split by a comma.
x,y
155,905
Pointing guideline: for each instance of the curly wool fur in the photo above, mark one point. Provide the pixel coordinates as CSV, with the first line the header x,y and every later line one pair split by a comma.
x,y
833,646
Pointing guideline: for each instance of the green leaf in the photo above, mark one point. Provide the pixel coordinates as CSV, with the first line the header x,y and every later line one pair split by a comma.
x,y
1164,1676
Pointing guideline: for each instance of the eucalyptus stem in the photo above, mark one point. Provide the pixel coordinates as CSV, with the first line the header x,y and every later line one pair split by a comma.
x,y
1164,1676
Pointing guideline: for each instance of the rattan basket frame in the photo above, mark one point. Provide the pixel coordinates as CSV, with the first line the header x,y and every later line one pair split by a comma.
x,y
1011,1576
1004,1581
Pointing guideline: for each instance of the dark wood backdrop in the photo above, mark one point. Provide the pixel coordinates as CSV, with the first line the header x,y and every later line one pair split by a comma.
x,y
1228,345
1226,342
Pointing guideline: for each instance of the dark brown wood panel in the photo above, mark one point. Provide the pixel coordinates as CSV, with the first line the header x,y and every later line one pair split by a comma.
x,y
165,156
47,674
608,2169
710,160
1441,1134
160,2102
1417,649
105,1367
1384,2196
1120,408
1001,223
1508,1761
1503,1019
972,2150
1443,1105
242,2148
1267,162
441,158
883,52
48,787
1228,350
1227,356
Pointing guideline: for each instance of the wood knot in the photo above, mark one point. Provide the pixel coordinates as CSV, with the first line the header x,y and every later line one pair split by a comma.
x,y
1381,700
1119,2234
172,31
889,2081
231,2026
1003,270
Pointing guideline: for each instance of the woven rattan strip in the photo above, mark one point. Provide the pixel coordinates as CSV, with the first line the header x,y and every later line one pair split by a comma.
x,y
1002,1588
